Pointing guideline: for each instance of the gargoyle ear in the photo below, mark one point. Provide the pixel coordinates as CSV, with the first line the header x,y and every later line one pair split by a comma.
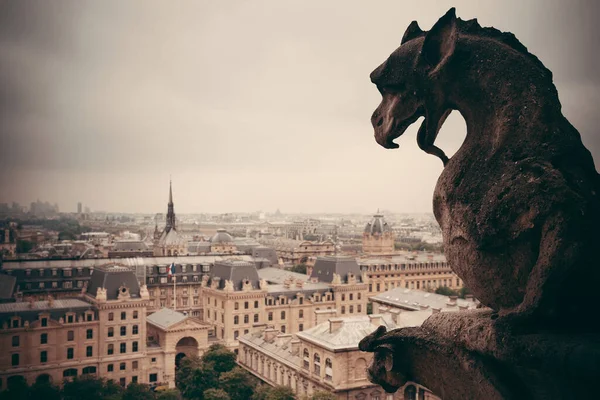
x,y
412,32
440,41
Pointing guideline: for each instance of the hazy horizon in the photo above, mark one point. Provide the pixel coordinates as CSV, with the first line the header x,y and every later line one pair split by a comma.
x,y
248,106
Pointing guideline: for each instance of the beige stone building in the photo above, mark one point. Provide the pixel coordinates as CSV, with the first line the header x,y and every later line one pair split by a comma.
x,y
104,332
325,357
422,271
378,236
294,252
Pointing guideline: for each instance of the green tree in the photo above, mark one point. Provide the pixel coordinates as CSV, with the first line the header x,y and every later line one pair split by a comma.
x,y
24,246
216,394
169,394
266,392
446,291
138,391
323,395
219,358
198,381
299,268
17,389
45,391
463,292
91,388
238,383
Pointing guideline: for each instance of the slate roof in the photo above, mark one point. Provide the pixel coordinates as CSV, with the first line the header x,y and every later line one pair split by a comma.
x,y
377,225
59,304
351,331
171,238
130,245
221,237
410,299
165,318
236,271
7,286
112,278
326,266
265,252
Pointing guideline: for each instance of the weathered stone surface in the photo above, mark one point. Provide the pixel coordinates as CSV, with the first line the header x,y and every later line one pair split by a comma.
x,y
468,355
519,203
519,208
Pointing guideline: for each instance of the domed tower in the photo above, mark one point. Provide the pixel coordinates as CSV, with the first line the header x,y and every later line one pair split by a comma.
x,y
378,236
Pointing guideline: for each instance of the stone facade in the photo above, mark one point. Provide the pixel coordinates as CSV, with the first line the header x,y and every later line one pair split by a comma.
x,y
323,358
378,236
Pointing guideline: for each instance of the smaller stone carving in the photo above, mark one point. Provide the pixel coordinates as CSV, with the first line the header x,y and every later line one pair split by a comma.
x,y
263,284
101,295
228,286
144,294
337,279
247,286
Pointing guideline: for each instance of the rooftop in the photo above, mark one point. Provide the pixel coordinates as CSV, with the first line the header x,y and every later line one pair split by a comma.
x,y
43,305
165,318
411,299
278,275
345,333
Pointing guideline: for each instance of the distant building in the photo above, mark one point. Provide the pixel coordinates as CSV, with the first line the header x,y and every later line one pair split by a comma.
x,y
79,208
378,236
169,242
323,358
130,248
407,300
291,251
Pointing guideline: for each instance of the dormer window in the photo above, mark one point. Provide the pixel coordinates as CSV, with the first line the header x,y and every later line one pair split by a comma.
x,y
44,321
15,322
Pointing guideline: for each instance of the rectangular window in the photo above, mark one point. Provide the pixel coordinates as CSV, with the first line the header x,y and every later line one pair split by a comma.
x,y
123,316
246,305
111,332
70,336
301,327
301,314
89,351
45,321
351,295
236,306
123,330
135,315
134,346
270,316
256,304
282,328
283,315
43,356
246,319
255,317
89,334
15,360
123,348
69,319
15,323
134,330
134,365
110,368
111,316
236,334
70,353
89,317
122,366
153,378
134,379
110,349
16,340
43,338
123,382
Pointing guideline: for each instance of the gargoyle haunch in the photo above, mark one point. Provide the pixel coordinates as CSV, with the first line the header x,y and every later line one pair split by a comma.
x,y
519,203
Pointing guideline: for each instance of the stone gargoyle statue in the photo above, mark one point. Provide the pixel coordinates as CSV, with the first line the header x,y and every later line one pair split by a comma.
x,y
519,203
519,208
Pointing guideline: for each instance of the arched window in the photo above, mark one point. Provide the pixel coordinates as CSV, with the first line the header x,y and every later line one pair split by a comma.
x,y
89,370
360,369
306,359
410,392
317,364
69,372
328,370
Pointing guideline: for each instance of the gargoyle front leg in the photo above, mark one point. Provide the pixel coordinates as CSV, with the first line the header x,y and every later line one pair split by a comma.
x,y
428,133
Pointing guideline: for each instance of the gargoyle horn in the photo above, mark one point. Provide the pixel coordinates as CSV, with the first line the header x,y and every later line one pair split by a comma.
x,y
412,32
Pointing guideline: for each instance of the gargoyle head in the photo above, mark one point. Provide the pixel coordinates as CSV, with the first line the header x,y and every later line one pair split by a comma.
x,y
385,369
407,80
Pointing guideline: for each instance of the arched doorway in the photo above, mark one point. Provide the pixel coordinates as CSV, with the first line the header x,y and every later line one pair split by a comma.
x,y
16,382
43,378
186,347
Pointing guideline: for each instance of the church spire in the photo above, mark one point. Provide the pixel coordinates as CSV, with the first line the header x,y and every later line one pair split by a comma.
x,y
170,210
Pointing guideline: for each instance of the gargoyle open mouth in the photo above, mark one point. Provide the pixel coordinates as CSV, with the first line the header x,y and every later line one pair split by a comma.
x,y
398,129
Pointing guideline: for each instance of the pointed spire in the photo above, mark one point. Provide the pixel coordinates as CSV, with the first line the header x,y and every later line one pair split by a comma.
x,y
170,191
170,210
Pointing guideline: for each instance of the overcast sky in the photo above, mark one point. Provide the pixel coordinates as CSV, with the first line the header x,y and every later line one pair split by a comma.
x,y
249,105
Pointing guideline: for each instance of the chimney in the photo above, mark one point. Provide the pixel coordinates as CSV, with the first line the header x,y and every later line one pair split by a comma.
x,y
469,297
323,315
299,283
270,334
335,324
295,346
375,319
395,314
436,310
465,307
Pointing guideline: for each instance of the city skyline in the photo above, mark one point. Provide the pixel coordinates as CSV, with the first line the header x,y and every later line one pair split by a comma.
x,y
103,101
